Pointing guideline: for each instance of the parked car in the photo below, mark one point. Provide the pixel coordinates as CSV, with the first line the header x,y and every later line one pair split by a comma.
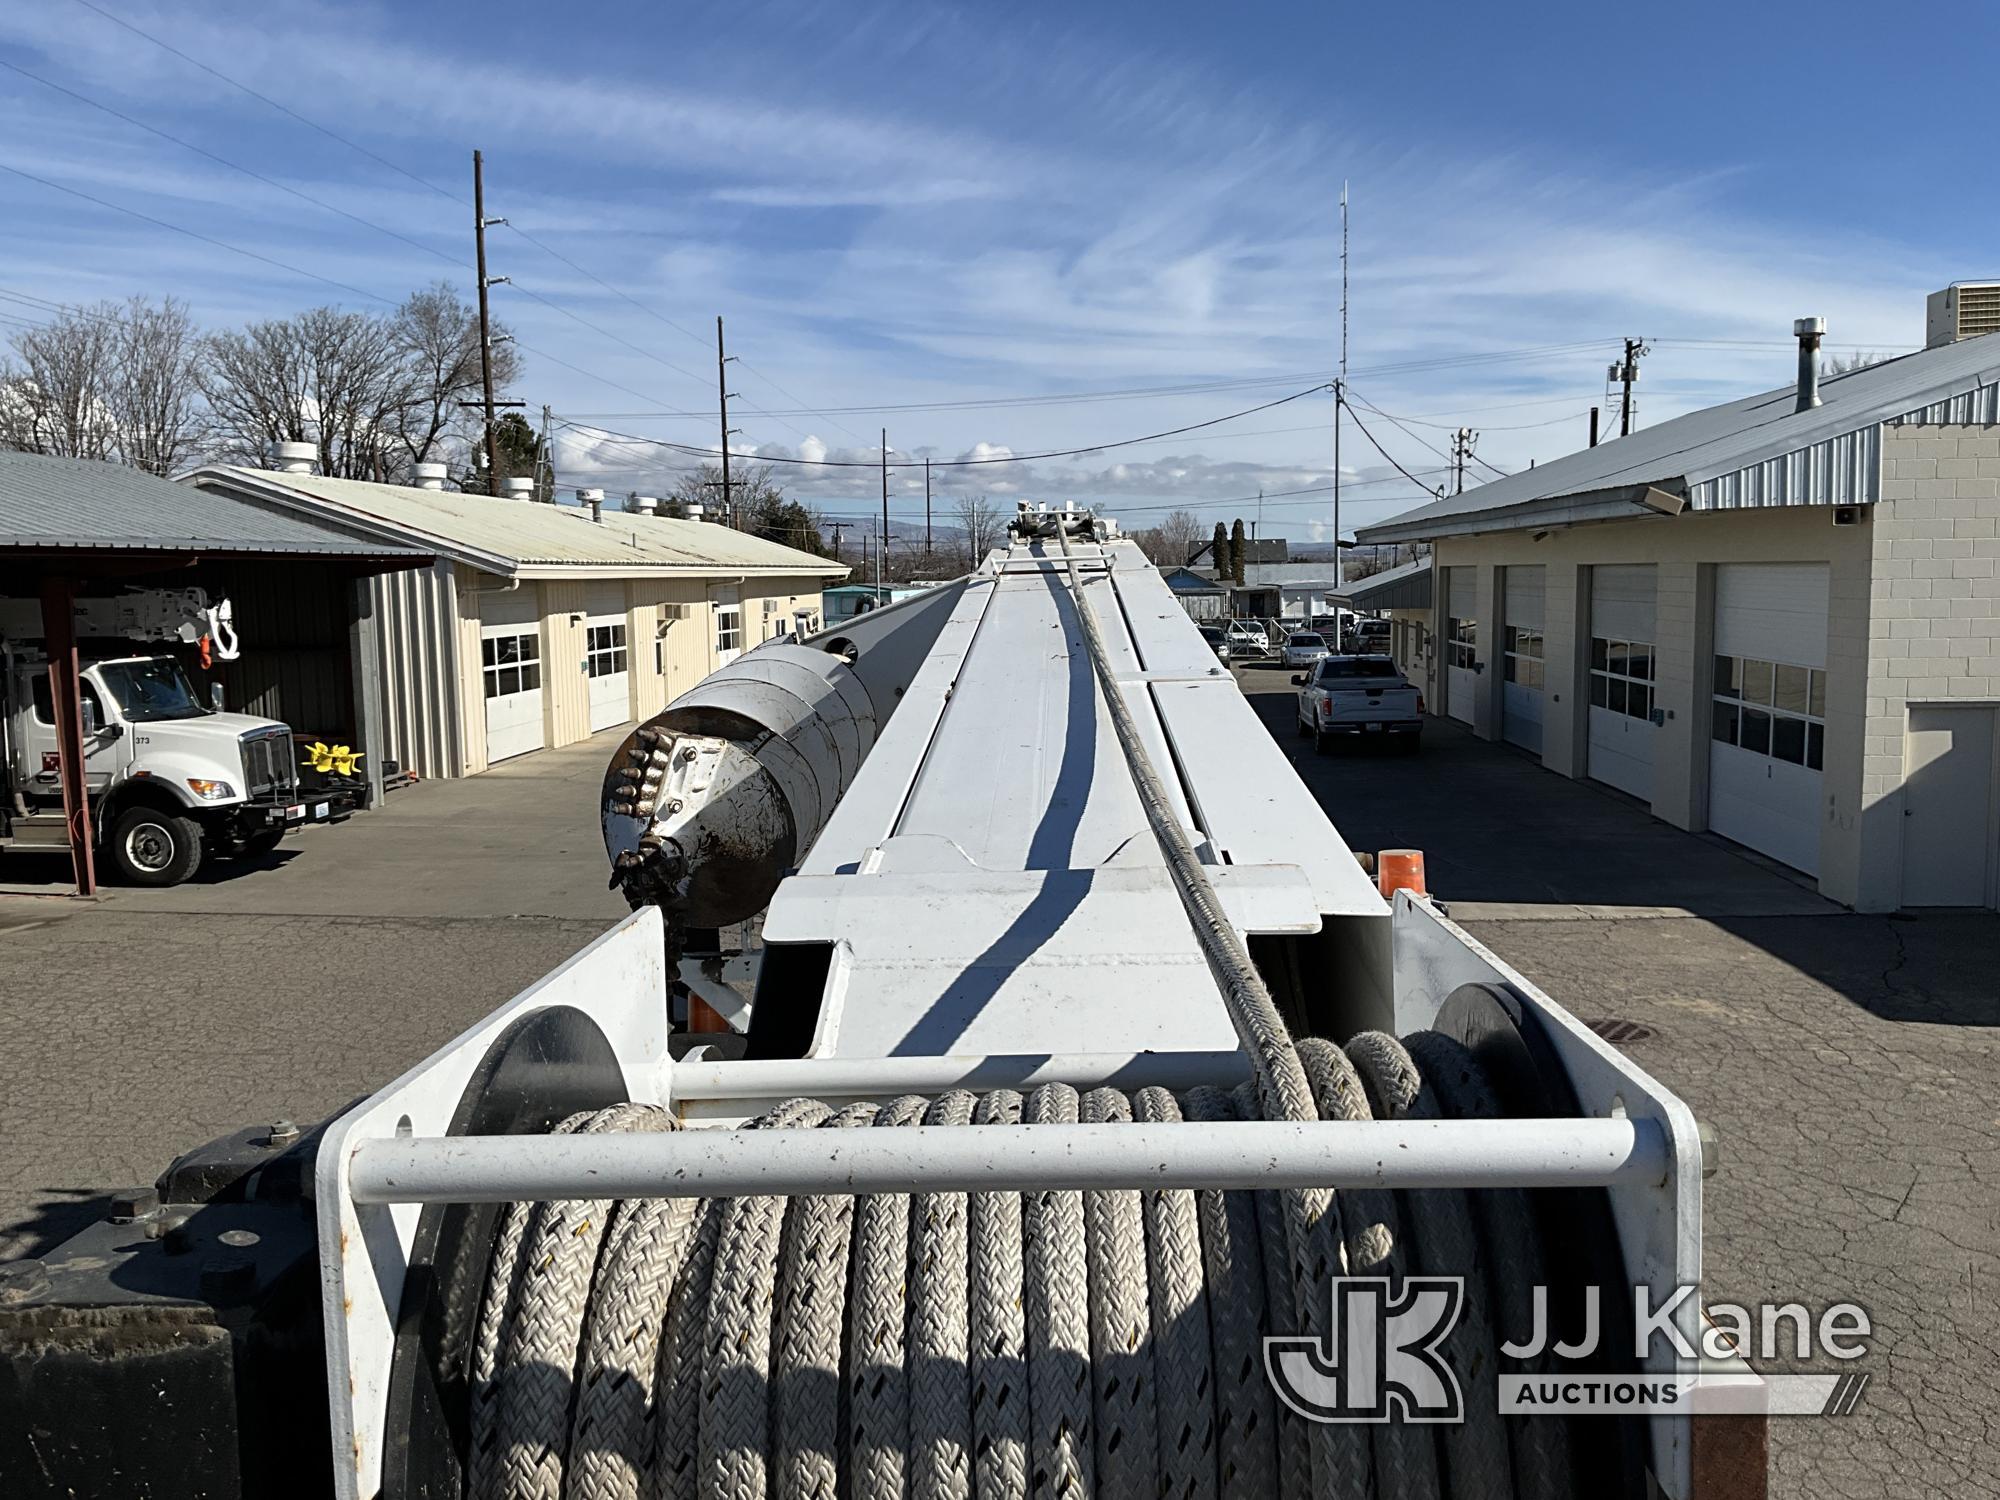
x,y
1304,647
1364,696
1247,638
1366,638
1217,640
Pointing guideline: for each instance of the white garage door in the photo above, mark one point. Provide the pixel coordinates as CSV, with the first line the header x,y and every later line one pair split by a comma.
x,y
1521,679
1767,739
1461,643
1622,670
606,657
510,663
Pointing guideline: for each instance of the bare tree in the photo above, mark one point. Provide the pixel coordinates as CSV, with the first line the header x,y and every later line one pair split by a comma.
x,y
335,379
55,398
108,381
1171,543
437,336
979,521
155,397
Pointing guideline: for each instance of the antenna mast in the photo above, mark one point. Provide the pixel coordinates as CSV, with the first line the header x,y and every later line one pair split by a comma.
x,y
1340,389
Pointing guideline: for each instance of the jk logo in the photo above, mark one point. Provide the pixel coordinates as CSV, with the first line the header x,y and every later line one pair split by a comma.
x,y
1380,1355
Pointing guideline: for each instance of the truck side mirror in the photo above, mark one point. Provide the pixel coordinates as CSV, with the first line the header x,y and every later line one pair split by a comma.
x,y
215,696
1298,681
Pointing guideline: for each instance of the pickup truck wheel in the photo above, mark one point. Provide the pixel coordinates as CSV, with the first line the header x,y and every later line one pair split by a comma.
x,y
1322,741
155,848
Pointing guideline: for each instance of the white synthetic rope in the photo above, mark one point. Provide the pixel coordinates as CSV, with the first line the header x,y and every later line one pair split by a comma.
x,y
983,1345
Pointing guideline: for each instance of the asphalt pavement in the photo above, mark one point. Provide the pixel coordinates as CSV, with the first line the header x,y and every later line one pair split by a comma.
x,y
1848,1063
148,1021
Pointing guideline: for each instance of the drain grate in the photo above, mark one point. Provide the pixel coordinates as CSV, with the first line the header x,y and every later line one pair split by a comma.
x,y
1621,1031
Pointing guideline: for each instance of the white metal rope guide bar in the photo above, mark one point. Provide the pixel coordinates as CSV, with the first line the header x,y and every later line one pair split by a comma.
x,y
1259,1154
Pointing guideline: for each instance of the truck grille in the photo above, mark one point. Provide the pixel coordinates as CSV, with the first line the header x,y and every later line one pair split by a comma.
x,y
270,769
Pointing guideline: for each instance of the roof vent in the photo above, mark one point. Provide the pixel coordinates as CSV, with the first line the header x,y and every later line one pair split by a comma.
x,y
431,476
297,458
590,497
1808,331
521,487
1963,310
646,505
695,511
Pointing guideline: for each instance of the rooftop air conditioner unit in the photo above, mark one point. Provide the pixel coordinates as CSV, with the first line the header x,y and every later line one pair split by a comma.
x,y
1963,310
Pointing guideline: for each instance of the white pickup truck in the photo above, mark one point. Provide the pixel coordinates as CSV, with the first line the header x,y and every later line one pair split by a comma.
x,y
1364,696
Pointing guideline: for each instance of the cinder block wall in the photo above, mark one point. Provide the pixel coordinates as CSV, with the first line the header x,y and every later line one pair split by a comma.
x,y
1933,618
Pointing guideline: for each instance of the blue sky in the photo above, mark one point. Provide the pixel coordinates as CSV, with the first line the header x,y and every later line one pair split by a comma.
x,y
922,207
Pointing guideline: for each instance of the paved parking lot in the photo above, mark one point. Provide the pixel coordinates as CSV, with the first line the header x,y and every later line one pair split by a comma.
x,y
144,1023
1848,1062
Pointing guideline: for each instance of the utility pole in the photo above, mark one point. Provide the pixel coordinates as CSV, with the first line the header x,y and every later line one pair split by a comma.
x,y
1625,372
836,527
480,224
882,550
722,399
1340,390
927,511
1461,449
548,459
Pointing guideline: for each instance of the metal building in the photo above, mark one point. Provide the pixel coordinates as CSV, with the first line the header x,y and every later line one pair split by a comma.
x,y
1777,620
540,624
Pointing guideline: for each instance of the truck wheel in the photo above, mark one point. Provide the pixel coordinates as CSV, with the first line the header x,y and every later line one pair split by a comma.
x,y
155,848
1322,741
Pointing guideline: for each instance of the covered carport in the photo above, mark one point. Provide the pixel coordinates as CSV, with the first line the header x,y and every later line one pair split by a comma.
x,y
75,529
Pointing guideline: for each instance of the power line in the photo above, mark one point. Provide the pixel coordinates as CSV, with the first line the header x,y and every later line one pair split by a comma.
x,y
954,463
195,234
267,99
1384,451
186,145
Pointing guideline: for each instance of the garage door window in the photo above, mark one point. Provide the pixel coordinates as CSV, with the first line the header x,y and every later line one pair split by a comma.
x,y
604,650
1524,656
1771,708
1462,642
511,663
1621,676
728,627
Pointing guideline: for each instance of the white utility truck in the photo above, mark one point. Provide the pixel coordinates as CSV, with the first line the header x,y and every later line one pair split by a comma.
x,y
170,778
1063,1085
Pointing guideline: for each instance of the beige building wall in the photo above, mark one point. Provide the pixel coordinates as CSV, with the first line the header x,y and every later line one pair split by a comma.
x,y
1932,631
565,688
673,635
471,685
1685,549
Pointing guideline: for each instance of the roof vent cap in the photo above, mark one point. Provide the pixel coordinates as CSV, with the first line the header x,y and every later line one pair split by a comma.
x,y
431,476
521,487
297,458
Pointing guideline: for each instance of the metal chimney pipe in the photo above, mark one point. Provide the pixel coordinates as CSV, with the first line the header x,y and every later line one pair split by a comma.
x,y
297,458
431,476
1808,331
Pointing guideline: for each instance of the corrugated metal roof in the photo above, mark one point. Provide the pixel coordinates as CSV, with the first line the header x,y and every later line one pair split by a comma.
x,y
517,536
69,504
1802,451
1407,587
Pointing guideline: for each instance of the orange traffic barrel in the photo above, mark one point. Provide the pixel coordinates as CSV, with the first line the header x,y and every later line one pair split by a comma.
x,y
1399,870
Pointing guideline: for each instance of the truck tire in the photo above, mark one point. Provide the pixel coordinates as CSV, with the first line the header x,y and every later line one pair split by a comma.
x,y
149,847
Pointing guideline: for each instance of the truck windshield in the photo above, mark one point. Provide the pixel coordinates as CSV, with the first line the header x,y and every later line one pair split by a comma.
x,y
149,690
